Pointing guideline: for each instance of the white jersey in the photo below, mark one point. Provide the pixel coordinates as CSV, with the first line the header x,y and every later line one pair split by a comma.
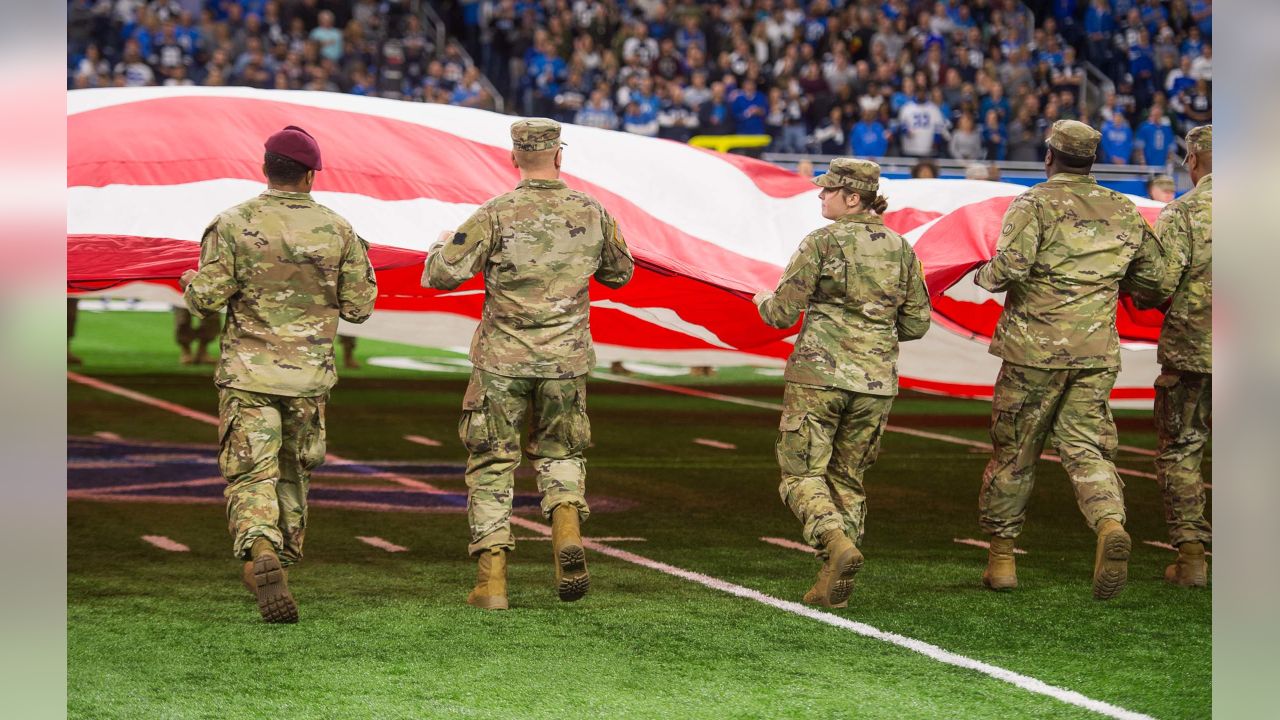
x,y
920,122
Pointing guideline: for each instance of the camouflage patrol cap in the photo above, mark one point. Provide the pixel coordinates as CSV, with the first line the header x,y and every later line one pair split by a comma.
x,y
850,173
1200,139
1074,138
535,134
1163,181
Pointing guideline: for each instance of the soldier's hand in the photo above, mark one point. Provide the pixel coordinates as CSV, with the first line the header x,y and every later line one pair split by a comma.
x,y
441,239
186,279
761,297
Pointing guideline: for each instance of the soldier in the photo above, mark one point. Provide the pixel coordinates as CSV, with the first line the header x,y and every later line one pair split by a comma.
x,y
286,268
862,291
537,247
1184,388
1066,247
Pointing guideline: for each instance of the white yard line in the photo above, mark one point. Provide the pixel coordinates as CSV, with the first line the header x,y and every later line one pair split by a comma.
x,y
1167,546
692,392
715,444
607,538
1137,450
211,420
104,435
1030,684
165,543
984,544
419,440
382,544
789,544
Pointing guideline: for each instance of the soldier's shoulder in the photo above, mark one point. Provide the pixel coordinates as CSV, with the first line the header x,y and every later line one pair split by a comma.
x,y
332,216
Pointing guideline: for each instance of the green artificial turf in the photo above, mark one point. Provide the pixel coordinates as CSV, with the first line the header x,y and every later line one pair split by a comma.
x,y
169,635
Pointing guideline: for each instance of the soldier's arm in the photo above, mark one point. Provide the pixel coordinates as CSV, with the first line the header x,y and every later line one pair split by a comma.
x,y
357,285
616,263
1174,236
1016,252
456,259
783,306
914,313
215,282
1144,279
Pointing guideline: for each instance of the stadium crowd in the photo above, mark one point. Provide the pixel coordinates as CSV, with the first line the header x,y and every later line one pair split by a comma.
x,y
966,79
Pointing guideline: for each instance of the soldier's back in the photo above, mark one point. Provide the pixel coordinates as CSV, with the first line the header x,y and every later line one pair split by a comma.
x,y
1186,227
288,253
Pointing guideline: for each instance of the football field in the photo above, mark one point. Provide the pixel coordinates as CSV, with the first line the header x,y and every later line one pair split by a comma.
x,y
696,566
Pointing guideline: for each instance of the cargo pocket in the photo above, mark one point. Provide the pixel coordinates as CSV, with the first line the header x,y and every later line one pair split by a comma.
x,y
793,444
475,428
312,446
1005,408
235,457
1169,406
578,427
873,444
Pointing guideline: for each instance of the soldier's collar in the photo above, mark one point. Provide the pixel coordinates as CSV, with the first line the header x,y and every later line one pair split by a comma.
x,y
541,184
864,218
1206,180
287,195
1073,177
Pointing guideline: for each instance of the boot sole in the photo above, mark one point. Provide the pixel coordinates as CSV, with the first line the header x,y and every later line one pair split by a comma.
x,y
1111,577
999,585
275,602
842,588
574,582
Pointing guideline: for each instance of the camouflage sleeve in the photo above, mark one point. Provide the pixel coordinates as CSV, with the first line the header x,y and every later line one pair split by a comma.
x,y
1016,252
1174,235
616,263
914,313
455,260
782,308
1144,280
215,282
357,285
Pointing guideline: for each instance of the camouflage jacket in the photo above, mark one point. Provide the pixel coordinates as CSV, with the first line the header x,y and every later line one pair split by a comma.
x,y
287,268
862,291
1185,228
538,246
1067,247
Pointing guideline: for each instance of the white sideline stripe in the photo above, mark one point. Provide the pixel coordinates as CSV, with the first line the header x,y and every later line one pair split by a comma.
x,y
1071,697
382,544
423,440
107,436
983,544
1167,546
607,538
790,544
165,543
211,420
715,444
778,406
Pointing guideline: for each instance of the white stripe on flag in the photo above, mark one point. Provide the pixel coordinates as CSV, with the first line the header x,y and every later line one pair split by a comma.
x,y
165,543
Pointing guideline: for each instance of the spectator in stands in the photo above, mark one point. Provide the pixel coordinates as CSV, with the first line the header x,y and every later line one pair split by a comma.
x,y
749,108
715,116
870,138
829,137
993,136
598,112
921,123
924,170
1023,138
1155,138
1116,145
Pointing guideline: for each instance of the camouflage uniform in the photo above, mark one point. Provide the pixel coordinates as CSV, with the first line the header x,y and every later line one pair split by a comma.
x,y
1066,248
286,268
537,247
1183,408
862,290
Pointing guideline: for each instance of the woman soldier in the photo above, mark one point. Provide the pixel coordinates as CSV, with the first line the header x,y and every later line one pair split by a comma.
x,y
862,291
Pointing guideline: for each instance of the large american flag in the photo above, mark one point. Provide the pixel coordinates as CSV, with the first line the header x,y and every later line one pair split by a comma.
x,y
148,168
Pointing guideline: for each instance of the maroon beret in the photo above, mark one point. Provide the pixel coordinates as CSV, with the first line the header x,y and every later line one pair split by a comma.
x,y
296,144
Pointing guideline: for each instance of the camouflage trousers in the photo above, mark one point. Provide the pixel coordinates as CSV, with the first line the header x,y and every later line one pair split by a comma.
x,y
1183,414
186,330
494,412
827,439
1029,404
269,446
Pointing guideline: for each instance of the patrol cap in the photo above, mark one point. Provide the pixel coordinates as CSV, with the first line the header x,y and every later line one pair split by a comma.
x,y
850,173
1074,138
296,144
1163,181
1200,139
535,134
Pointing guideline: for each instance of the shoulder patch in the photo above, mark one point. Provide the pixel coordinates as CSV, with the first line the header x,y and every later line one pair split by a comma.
x,y
459,238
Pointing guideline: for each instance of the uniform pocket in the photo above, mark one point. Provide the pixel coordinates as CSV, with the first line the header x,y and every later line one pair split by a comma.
x,y
793,444
235,456
1170,404
312,448
578,430
1005,407
475,427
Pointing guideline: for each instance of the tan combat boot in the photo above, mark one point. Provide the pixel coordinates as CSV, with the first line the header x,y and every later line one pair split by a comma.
x,y
1111,561
572,580
835,578
1001,572
271,585
1190,569
490,592
202,356
246,578
184,354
